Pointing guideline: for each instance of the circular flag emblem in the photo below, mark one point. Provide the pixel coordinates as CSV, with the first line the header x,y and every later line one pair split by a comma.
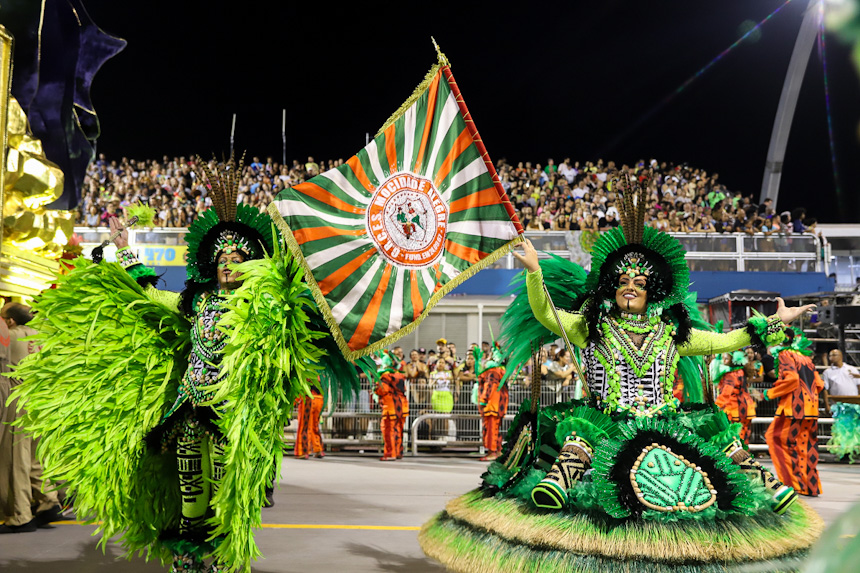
x,y
407,221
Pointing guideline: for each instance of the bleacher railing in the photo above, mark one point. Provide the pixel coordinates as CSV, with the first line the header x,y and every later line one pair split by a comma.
x,y
705,251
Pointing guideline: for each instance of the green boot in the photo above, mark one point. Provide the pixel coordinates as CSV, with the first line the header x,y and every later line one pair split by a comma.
x,y
783,495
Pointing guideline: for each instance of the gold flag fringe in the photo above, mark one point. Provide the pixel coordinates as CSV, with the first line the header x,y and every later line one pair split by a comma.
x,y
441,62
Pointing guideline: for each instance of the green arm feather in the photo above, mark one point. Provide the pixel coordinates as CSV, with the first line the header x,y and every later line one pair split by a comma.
x,y
108,368
521,331
277,348
271,358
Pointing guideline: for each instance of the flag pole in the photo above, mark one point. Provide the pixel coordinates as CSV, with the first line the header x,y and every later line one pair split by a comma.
x,y
232,134
284,136
581,388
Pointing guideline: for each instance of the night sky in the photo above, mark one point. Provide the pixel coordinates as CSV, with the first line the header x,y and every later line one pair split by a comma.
x,y
575,79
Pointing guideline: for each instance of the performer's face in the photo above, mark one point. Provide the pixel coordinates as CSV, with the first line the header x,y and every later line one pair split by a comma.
x,y
229,278
631,295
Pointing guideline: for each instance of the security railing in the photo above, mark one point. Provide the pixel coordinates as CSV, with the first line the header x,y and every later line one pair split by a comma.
x,y
355,424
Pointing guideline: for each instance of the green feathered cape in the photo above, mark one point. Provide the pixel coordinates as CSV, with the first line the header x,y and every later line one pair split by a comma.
x,y
109,365
111,360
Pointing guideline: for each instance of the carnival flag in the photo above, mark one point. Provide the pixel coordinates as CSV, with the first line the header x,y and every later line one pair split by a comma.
x,y
386,235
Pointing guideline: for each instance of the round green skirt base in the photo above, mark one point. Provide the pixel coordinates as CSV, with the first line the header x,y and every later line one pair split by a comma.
x,y
486,535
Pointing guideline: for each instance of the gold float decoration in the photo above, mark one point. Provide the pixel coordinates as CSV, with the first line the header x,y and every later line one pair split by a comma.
x,y
31,182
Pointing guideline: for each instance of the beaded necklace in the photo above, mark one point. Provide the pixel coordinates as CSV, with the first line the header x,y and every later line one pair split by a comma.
x,y
638,323
657,346
207,340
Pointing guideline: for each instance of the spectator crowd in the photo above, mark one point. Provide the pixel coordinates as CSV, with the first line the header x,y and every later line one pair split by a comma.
x,y
569,196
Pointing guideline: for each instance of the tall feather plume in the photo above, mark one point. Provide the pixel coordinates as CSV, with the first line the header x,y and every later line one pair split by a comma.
x,y
224,185
632,206
642,191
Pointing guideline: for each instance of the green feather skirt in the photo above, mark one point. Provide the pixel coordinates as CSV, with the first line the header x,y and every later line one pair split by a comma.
x,y
661,496
476,534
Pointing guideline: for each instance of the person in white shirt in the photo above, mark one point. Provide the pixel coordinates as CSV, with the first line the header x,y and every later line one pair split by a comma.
x,y
567,171
840,379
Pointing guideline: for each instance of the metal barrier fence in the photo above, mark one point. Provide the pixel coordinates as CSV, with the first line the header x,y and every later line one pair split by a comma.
x,y
355,424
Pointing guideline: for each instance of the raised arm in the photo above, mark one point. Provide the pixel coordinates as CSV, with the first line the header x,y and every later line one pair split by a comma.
x,y
573,322
765,331
144,275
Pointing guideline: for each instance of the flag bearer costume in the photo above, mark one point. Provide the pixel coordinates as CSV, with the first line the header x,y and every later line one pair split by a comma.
x,y
626,478
792,437
391,389
733,396
492,401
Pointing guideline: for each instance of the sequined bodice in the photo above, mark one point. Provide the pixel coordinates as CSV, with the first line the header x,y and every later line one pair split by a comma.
x,y
631,377
207,342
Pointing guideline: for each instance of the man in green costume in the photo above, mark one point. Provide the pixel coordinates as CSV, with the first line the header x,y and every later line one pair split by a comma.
x,y
633,330
171,406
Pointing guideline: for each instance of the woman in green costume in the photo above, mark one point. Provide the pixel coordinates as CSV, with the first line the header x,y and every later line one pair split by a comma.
x,y
163,412
627,478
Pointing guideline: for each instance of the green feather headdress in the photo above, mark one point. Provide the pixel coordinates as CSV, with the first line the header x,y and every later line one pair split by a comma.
x,y
226,225
635,248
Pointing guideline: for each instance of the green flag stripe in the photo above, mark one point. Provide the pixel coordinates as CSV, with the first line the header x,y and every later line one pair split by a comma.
x,y
441,140
479,183
328,242
398,143
408,309
352,319
485,213
409,126
343,288
326,269
485,246
461,162
420,120
306,221
380,327
447,141
423,107
428,281
335,190
348,174
364,159
441,99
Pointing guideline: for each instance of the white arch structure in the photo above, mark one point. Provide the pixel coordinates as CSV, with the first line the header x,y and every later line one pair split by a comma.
x,y
788,102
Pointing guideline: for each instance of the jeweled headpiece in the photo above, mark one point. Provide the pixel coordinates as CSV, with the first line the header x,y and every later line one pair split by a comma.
x,y
633,264
229,242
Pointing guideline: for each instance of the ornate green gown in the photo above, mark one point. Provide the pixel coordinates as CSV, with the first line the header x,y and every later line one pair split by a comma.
x,y
630,478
